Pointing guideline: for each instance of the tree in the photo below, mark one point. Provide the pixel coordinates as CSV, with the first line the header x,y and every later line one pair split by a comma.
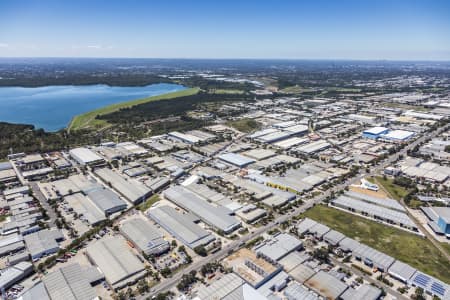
x,y
201,250
447,149
418,294
143,286
321,255
166,272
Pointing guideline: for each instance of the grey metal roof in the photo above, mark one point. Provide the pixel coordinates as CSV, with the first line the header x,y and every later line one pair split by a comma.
x,y
313,147
10,239
301,273
68,283
18,257
333,237
215,216
181,226
349,244
220,288
236,159
205,192
278,246
401,270
247,292
443,213
130,189
364,292
326,285
279,279
296,291
5,165
293,259
84,155
156,183
378,258
86,208
319,229
386,202
36,292
275,136
11,275
43,241
375,210
106,200
305,225
114,258
92,274
146,236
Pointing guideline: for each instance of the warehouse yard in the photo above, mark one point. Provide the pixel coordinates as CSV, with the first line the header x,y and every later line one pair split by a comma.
x,y
407,247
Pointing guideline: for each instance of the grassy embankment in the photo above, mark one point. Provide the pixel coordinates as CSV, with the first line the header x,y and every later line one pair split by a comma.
x,y
149,202
407,247
88,120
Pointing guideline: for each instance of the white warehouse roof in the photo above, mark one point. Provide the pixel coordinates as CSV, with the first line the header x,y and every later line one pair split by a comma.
x,y
398,135
375,130
84,156
236,159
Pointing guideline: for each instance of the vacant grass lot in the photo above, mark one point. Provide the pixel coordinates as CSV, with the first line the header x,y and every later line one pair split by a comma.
x,y
295,89
395,191
245,125
88,120
404,246
446,246
226,91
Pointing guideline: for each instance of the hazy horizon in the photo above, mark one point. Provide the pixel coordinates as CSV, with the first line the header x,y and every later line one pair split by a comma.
x,y
404,30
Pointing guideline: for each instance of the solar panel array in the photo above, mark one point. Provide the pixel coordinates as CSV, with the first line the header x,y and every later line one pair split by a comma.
x,y
431,285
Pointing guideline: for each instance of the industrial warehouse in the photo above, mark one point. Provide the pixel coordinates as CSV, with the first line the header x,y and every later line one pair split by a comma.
x,y
181,226
216,216
145,236
116,261
386,210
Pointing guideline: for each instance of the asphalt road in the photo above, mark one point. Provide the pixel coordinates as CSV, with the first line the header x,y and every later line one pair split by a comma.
x,y
40,197
167,284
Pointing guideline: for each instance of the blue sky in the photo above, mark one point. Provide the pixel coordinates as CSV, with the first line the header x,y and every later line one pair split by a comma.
x,y
315,29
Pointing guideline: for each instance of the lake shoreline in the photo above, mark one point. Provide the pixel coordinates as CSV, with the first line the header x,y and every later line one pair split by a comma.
x,y
53,107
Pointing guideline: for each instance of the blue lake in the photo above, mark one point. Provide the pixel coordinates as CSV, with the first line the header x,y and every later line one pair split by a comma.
x,y
52,107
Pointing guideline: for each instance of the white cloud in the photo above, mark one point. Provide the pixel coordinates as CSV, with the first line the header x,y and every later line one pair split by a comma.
x,y
94,46
4,45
